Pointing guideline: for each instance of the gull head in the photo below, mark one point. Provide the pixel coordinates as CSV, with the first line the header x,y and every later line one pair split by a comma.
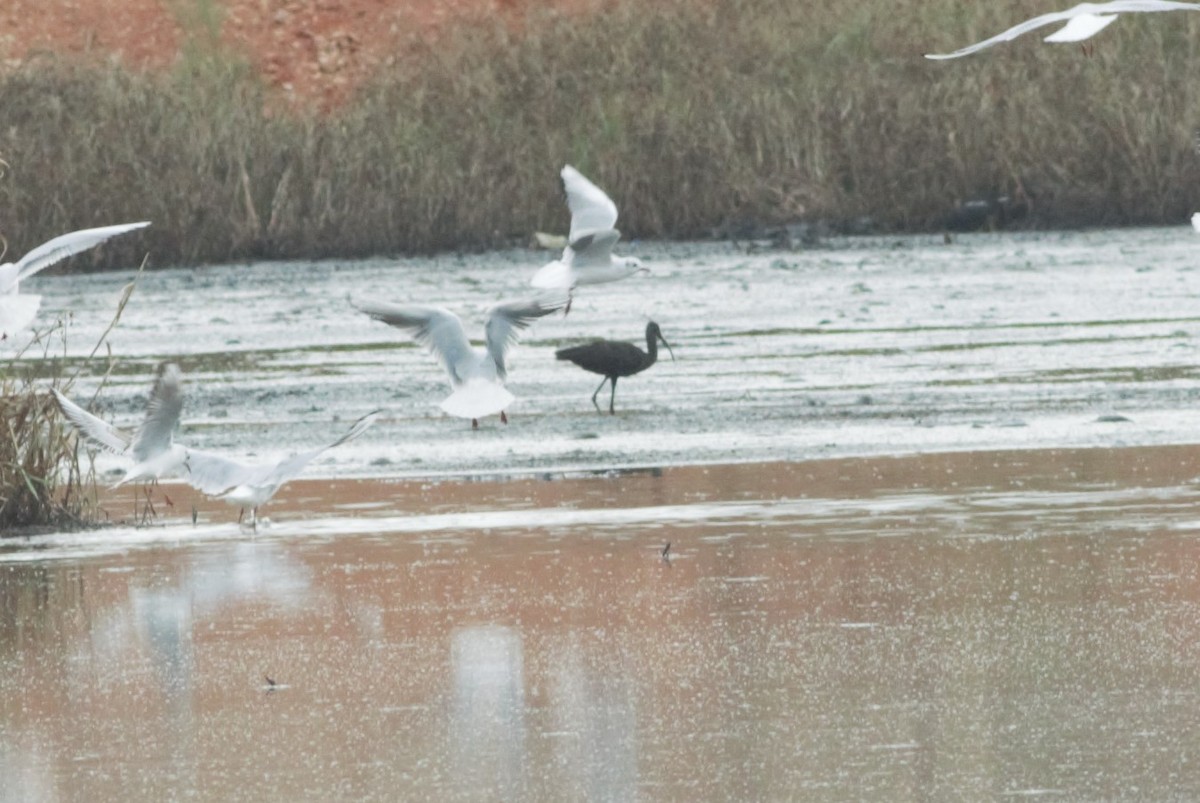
x,y
631,264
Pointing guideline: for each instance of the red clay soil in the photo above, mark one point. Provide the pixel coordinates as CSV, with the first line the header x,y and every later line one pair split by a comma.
x,y
312,50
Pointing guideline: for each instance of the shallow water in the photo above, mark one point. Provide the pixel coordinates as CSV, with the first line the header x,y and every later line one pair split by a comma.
x,y
907,560
873,346
952,626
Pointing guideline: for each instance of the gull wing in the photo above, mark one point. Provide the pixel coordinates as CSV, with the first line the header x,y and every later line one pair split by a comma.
x,y
8,278
436,328
162,414
213,474
65,245
1009,35
95,431
284,470
591,209
1081,26
556,275
1123,6
1101,14
17,312
592,250
506,321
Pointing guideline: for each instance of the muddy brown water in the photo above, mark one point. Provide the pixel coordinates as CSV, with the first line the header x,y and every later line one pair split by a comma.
x,y
932,508
955,626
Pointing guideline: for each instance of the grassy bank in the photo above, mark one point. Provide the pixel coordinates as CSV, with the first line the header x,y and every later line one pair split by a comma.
x,y
692,115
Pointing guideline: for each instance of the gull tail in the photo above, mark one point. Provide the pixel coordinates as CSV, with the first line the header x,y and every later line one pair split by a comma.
x,y
477,398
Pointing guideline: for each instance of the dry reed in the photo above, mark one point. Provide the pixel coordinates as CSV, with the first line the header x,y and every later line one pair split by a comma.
x,y
695,116
42,482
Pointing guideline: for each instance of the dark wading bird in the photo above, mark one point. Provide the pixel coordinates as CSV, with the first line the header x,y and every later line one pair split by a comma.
x,y
614,359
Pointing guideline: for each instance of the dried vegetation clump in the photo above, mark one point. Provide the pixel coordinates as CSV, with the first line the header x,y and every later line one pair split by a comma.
x,y
42,482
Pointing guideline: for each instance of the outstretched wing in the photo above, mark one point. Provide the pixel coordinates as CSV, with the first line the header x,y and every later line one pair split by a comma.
x,y
436,328
1081,27
592,250
213,474
8,278
286,469
17,312
591,209
97,432
506,321
1009,35
556,275
1098,16
65,245
162,413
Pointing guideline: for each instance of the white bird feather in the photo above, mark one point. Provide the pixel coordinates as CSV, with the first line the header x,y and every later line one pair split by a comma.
x,y
476,375
1081,22
151,447
252,484
588,257
18,313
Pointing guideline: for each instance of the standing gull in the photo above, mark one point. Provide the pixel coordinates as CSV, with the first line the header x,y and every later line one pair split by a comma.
x,y
1082,22
151,447
477,375
588,257
17,311
614,359
250,485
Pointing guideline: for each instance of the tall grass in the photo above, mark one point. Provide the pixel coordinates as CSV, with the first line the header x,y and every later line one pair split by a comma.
x,y
693,115
42,483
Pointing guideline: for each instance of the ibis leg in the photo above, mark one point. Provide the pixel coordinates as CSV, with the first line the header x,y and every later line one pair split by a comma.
x,y
612,398
503,418
474,423
595,403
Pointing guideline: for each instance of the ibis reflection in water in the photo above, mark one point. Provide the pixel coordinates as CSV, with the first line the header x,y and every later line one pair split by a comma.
x,y
614,359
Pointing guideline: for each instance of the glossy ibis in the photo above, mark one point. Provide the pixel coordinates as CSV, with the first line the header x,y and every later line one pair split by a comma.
x,y
476,375
614,359
588,257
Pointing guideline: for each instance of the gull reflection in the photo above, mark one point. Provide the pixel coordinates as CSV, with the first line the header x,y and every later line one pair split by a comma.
x,y
161,617
487,728
594,718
